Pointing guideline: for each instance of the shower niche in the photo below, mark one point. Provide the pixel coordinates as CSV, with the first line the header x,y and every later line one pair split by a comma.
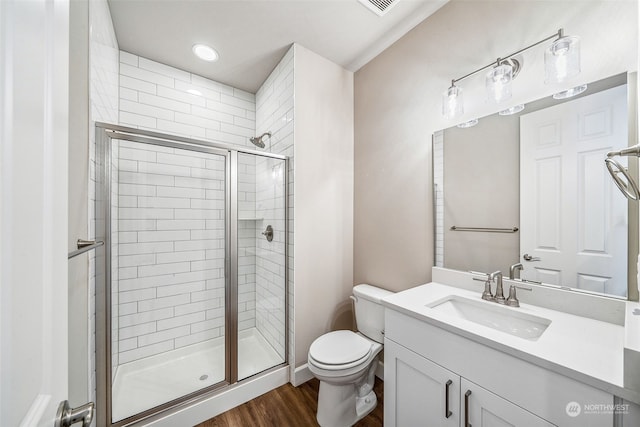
x,y
193,297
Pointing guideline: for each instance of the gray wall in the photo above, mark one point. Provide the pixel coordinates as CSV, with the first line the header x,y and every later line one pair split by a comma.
x,y
323,198
480,161
398,107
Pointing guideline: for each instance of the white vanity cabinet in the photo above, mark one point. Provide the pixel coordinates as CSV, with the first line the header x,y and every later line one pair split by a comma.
x,y
419,392
420,358
486,409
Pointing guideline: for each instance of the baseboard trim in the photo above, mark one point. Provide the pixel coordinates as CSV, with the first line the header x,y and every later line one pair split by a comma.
x,y
301,375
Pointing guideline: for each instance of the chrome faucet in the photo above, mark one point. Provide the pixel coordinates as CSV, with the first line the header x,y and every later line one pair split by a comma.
x,y
512,270
497,276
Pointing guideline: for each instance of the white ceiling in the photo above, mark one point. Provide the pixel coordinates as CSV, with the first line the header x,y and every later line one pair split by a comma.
x,y
251,36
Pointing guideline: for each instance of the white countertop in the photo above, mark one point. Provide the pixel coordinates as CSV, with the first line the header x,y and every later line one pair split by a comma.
x,y
585,349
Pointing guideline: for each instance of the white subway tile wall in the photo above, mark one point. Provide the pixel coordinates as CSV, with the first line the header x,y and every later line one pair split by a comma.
x,y
171,230
246,242
275,114
438,191
164,208
103,100
157,97
270,256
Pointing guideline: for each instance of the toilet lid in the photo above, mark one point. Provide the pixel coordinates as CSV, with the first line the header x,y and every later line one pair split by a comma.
x,y
339,347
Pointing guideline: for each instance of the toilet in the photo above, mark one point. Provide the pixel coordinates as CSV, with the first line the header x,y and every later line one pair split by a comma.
x,y
345,362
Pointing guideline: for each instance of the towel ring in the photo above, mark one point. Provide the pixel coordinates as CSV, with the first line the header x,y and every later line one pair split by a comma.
x,y
629,188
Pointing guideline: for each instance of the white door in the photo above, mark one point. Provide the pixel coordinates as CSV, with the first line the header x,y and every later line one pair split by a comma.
x,y
33,210
417,392
572,217
481,408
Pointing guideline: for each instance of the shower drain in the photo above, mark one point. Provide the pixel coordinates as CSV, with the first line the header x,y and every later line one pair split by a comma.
x,y
204,377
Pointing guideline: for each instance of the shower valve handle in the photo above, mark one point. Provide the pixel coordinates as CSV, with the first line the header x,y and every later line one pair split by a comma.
x,y
268,233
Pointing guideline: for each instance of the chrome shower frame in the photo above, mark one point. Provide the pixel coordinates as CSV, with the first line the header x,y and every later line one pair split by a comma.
x,y
105,134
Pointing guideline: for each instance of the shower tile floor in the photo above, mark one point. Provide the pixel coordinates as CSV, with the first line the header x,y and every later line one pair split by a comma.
x,y
149,382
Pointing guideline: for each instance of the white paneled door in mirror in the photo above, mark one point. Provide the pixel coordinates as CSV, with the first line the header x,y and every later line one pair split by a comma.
x,y
577,233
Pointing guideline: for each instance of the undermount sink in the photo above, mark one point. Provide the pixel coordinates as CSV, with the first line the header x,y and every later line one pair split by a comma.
x,y
493,315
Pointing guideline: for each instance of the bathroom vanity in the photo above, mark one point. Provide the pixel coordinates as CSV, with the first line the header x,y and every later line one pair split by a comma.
x,y
452,359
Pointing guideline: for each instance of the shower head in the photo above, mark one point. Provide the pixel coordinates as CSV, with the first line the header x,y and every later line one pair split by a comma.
x,y
257,140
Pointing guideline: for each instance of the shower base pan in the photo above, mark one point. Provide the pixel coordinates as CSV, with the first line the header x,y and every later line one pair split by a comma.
x,y
146,383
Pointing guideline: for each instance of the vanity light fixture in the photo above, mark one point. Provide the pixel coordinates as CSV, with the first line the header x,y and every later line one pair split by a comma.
x,y
498,79
512,110
204,52
452,105
570,92
562,61
471,123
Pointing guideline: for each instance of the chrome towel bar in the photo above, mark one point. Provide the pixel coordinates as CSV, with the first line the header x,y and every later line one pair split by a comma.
x,y
485,229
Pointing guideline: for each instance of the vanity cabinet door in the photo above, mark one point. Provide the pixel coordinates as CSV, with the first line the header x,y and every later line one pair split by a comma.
x,y
481,408
418,392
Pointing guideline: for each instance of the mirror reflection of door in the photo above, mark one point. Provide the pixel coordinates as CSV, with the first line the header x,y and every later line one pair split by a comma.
x,y
579,221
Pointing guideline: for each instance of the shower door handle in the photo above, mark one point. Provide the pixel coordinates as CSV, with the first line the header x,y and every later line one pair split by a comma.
x,y
68,416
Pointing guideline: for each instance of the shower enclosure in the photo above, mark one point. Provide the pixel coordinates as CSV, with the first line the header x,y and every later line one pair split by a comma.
x,y
193,297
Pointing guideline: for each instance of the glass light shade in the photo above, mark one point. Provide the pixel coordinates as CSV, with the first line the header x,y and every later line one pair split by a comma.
x,y
562,59
452,102
570,92
498,83
469,124
512,110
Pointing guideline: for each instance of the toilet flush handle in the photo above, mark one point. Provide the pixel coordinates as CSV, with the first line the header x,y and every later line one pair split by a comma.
x,y
353,298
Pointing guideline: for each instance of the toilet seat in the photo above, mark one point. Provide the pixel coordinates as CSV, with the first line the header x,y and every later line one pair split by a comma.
x,y
340,350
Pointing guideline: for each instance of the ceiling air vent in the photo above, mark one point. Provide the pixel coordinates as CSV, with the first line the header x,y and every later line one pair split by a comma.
x,y
379,7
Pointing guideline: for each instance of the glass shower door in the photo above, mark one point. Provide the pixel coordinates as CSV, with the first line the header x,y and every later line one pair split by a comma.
x,y
261,263
169,254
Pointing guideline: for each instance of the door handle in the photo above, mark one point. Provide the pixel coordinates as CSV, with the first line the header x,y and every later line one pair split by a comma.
x,y
67,416
466,409
528,257
447,412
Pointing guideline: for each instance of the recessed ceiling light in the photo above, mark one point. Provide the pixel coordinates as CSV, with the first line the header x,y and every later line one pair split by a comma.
x,y
204,52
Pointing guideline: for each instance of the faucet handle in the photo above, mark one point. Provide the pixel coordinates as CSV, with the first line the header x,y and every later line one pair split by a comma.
x,y
478,273
512,301
486,295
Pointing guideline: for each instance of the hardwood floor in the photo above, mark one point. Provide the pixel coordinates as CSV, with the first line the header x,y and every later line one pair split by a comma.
x,y
288,406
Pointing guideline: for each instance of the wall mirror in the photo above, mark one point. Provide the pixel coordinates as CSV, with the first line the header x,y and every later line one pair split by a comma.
x,y
532,188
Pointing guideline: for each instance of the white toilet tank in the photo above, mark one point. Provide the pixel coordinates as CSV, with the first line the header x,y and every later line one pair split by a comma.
x,y
369,311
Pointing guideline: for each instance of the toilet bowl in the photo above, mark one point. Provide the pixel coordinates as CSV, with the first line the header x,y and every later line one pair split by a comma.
x,y
345,362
